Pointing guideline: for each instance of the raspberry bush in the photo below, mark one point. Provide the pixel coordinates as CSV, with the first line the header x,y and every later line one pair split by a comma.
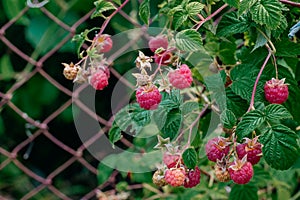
x,y
232,62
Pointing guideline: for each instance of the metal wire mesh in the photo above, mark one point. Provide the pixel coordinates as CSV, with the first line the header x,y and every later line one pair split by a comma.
x,y
78,155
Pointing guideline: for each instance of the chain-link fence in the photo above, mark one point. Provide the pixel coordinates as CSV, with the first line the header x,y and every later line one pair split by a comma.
x,y
47,181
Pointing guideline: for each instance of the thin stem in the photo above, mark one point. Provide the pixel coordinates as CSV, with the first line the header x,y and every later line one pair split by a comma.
x,y
110,17
251,107
210,16
290,3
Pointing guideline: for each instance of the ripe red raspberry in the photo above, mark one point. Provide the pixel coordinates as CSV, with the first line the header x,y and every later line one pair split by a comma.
x,y
217,148
251,148
276,91
175,176
104,43
99,80
157,42
148,97
158,178
181,78
241,171
163,58
192,178
171,160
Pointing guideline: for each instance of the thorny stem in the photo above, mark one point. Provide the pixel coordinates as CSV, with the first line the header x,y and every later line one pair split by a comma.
x,y
251,107
110,17
210,16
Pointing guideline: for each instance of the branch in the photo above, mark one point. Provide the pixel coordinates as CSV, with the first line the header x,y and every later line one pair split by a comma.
x,y
290,3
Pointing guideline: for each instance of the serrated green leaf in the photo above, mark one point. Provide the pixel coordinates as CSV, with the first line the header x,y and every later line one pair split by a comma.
x,y
245,6
188,40
250,121
144,11
102,6
260,41
172,11
281,146
79,39
235,103
173,124
227,52
245,192
104,172
228,119
194,8
172,100
231,24
189,157
286,48
233,3
276,112
267,12
179,18
160,116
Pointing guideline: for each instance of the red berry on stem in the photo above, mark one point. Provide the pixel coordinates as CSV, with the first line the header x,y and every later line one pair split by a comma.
x,y
99,80
148,97
171,160
163,58
160,41
104,43
241,171
276,91
192,178
181,78
217,148
175,176
251,148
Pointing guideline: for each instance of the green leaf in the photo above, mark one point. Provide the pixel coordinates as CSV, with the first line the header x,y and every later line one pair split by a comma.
x,y
281,146
286,48
114,134
189,157
194,8
227,52
260,41
172,125
179,19
276,112
102,6
144,11
233,3
245,192
245,6
228,119
79,39
189,106
6,69
189,40
12,8
267,12
235,103
104,172
250,121
160,116
172,100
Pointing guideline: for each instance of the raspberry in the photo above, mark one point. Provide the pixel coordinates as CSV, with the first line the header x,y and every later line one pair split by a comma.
x,y
171,160
104,43
99,80
192,178
181,78
217,148
276,91
157,42
70,71
222,173
175,176
163,58
251,148
148,97
158,178
241,171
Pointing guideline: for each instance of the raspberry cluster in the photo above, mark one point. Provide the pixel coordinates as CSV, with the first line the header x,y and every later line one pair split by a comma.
x,y
175,173
240,170
147,94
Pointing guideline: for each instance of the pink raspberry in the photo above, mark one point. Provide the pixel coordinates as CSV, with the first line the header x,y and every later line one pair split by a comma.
x,y
181,78
251,148
99,80
104,43
157,42
241,171
192,178
175,176
163,58
148,97
171,160
276,91
216,148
